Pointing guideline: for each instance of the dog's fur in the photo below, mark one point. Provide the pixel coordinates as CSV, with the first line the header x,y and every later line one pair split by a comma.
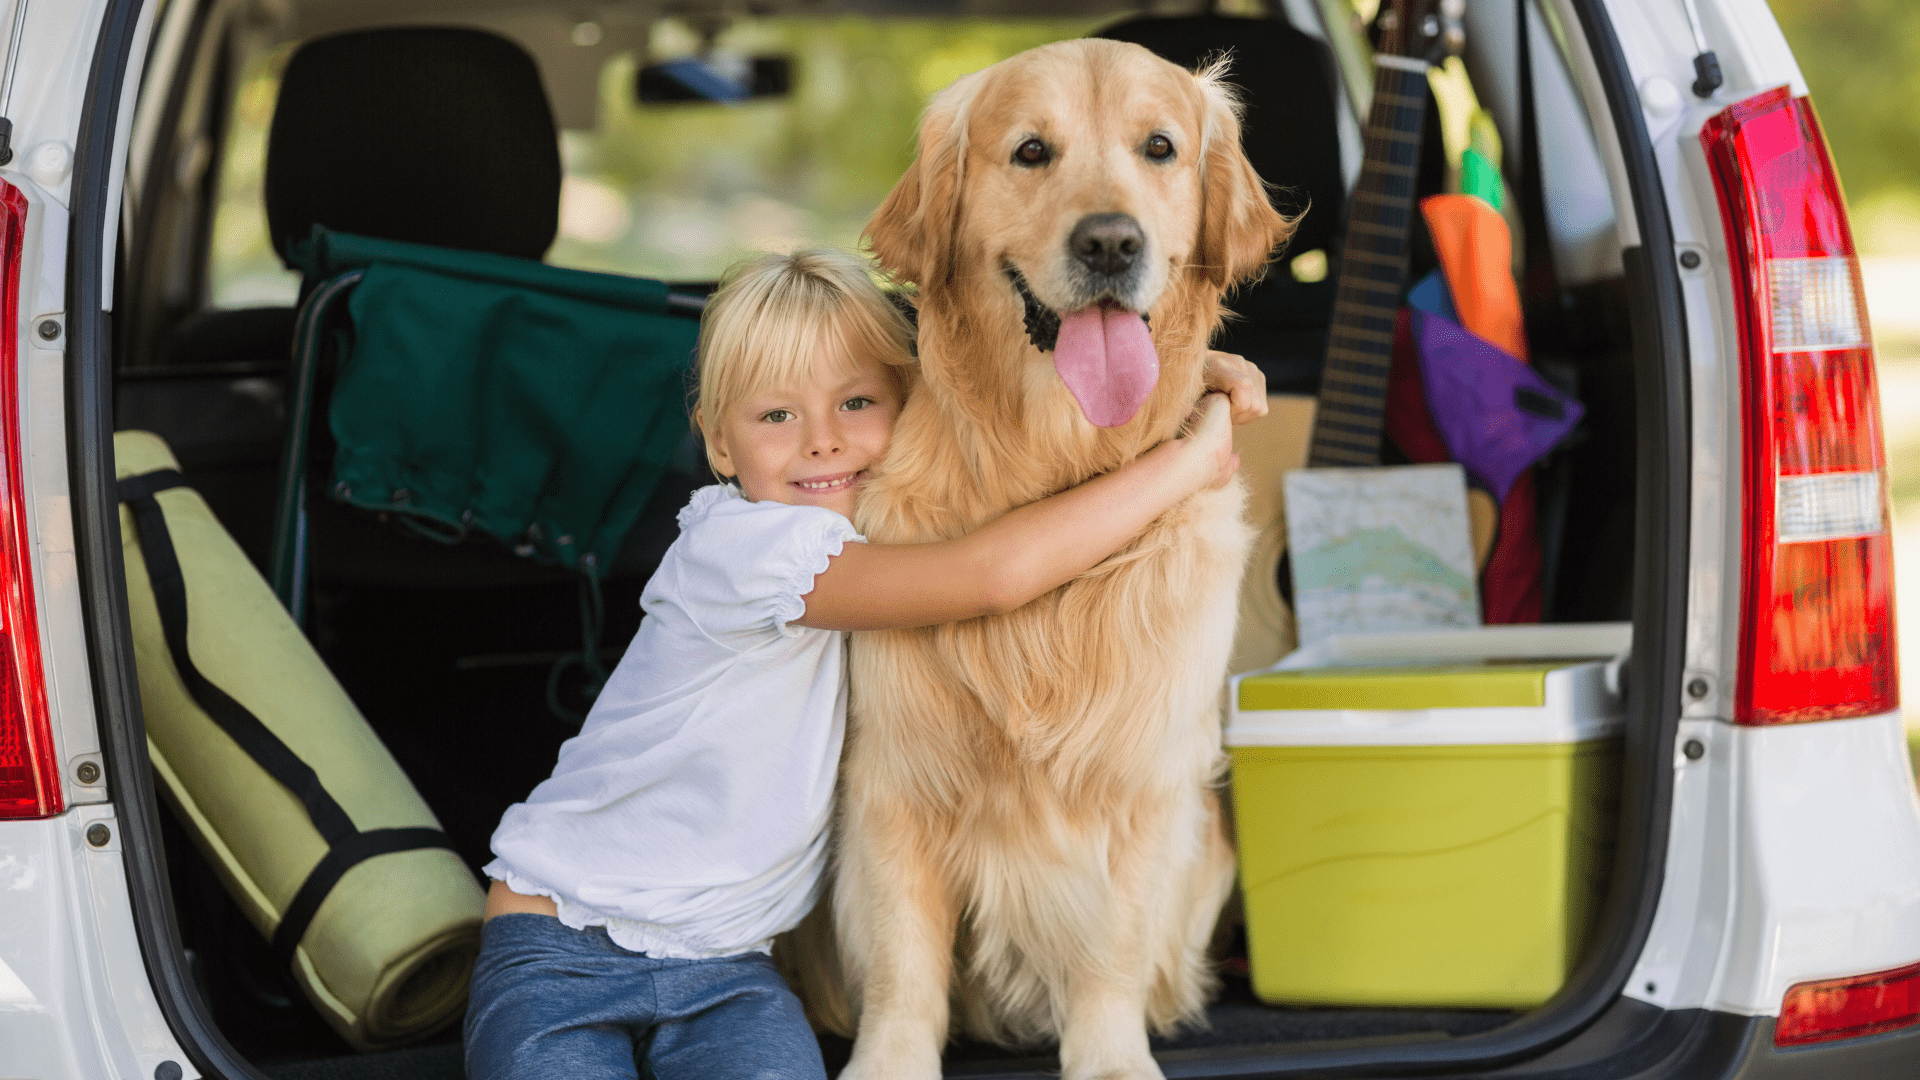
x,y
1029,822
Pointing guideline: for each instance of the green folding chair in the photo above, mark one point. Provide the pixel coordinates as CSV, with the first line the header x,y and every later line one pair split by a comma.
x,y
475,393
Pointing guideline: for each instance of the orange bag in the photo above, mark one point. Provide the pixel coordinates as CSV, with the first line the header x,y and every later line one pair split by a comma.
x,y
1476,253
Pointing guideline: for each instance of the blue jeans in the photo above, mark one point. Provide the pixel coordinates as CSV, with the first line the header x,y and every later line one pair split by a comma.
x,y
550,1002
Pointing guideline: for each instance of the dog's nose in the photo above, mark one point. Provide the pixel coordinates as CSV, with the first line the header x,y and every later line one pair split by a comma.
x,y
1107,244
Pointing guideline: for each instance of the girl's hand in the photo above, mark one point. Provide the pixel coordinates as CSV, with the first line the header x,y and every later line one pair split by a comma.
x,y
1209,443
1244,384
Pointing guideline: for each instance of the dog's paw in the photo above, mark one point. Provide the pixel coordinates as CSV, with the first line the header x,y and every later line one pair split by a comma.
x,y
1150,1070
1111,1063
891,1070
880,1065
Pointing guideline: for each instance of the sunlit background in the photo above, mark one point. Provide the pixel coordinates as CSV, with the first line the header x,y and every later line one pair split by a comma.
x,y
680,194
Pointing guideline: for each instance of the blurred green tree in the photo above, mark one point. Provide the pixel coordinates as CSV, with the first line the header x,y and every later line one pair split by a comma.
x,y
1861,59
709,183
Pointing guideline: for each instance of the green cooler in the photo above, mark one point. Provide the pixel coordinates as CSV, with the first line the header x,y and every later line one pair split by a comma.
x,y
1423,834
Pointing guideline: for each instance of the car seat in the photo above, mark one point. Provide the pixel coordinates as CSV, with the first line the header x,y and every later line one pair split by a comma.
x,y
434,135
413,177
1290,133
429,135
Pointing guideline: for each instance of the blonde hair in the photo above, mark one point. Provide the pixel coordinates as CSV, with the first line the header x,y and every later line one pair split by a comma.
x,y
778,319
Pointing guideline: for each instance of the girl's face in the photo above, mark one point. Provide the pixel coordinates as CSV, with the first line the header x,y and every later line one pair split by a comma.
x,y
810,444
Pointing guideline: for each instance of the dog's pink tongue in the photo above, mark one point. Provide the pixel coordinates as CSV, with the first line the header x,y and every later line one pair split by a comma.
x,y
1106,358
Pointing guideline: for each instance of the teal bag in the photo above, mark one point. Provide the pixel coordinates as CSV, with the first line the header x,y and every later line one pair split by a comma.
x,y
481,392
534,404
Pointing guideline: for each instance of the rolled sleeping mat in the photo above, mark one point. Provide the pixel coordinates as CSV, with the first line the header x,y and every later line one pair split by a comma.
x,y
308,820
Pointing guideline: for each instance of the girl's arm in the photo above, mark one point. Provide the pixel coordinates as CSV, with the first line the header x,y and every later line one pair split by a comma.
x,y
1024,553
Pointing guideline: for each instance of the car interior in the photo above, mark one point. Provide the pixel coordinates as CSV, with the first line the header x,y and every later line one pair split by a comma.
x,y
475,129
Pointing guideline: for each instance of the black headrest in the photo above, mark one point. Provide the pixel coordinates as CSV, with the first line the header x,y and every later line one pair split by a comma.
x,y
1286,79
432,135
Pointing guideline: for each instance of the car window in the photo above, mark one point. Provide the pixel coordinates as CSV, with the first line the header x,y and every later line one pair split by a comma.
x,y
680,191
242,268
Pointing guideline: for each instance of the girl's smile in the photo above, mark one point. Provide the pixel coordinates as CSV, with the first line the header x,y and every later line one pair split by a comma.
x,y
823,484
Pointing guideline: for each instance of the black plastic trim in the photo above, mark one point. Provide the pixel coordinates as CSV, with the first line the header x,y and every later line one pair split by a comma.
x,y
1699,1044
1873,1057
103,586
1633,1040
1629,1039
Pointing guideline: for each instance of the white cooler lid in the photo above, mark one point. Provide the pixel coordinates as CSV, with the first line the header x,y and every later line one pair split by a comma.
x,y
1527,641
1485,686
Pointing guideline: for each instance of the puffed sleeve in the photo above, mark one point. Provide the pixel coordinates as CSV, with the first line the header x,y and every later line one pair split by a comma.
x,y
741,567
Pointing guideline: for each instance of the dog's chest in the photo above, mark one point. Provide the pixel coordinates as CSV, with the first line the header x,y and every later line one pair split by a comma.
x,y
1193,551
1154,610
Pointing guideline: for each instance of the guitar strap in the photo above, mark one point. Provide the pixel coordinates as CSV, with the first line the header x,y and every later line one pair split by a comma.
x,y
1538,289
1539,286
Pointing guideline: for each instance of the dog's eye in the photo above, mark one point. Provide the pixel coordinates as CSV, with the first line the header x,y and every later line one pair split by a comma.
x,y
1159,147
1032,152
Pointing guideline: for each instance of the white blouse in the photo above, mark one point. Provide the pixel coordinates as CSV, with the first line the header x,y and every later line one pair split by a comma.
x,y
689,816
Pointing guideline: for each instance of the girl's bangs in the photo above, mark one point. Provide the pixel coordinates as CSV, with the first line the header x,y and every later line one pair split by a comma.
x,y
787,349
787,320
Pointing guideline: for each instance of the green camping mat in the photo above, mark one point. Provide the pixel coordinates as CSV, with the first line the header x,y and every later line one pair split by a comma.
x,y
305,817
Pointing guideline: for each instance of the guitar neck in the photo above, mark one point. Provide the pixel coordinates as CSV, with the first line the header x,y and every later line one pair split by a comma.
x,y
1373,269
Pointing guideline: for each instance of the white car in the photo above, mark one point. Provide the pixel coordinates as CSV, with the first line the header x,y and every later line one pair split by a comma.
x,y
1693,279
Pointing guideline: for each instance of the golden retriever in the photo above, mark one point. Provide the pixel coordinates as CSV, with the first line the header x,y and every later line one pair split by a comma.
x,y
1029,824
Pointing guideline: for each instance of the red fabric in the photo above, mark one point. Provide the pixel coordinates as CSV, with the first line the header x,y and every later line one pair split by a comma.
x,y
1408,423
1510,590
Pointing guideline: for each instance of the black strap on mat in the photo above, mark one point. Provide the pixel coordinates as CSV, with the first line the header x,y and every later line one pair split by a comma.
x,y
347,846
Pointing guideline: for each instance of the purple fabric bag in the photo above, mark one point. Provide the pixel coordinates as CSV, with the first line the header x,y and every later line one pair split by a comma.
x,y
1495,413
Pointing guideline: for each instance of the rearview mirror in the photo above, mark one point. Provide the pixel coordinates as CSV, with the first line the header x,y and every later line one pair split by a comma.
x,y
717,77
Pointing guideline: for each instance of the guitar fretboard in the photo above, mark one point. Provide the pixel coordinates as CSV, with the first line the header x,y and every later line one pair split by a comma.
x,y
1373,268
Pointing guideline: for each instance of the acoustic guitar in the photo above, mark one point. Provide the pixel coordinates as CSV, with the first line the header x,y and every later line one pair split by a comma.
x,y
1342,426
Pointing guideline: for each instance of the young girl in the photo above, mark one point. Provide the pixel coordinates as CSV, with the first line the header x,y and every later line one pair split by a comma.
x,y
637,891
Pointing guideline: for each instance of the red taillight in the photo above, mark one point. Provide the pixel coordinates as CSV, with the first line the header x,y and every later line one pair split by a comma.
x,y
1816,624
29,775
1843,1008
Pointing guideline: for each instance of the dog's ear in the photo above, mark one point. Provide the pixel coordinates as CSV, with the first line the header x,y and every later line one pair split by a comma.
x,y
912,234
1239,228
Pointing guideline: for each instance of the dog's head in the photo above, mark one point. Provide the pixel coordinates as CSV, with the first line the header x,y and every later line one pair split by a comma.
x,y
1084,178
